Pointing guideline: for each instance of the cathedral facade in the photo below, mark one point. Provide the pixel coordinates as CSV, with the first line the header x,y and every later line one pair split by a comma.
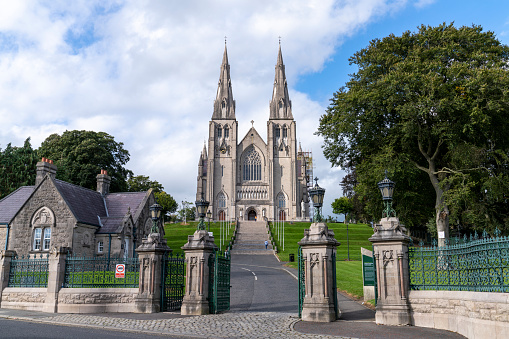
x,y
249,178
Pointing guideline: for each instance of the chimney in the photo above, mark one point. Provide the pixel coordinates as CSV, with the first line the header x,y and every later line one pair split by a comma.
x,y
44,167
103,182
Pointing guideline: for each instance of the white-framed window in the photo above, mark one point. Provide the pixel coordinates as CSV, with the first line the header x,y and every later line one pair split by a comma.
x,y
42,238
46,239
100,247
37,239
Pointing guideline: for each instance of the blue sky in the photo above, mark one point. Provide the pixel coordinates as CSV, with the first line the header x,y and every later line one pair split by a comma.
x,y
146,72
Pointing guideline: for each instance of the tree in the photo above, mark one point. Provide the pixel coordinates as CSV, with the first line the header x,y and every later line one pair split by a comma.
x,y
342,205
80,156
431,107
187,211
17,167
167,202
141,183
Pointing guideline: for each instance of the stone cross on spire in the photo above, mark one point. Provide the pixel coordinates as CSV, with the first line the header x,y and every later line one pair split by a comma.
x,y
252,123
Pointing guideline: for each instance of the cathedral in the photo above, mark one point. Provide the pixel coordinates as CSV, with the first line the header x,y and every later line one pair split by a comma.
x,y
249,178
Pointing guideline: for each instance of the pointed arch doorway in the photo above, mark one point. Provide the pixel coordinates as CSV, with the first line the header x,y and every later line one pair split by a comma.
x,y
251,215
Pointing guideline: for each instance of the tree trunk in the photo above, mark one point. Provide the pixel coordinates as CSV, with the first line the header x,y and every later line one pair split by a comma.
x,y
441,209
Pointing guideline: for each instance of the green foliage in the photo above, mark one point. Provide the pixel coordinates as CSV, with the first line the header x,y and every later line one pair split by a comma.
x,y
17,167
342,205
431,107
80,155
187,210
141,183
166,201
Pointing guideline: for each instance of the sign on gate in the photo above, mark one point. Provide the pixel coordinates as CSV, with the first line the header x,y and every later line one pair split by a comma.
x,y
368,274
120,271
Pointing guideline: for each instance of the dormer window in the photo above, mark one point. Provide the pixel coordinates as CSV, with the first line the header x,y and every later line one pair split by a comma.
x,y
281,108
223,108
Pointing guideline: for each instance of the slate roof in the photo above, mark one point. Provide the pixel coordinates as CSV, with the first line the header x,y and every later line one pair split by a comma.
x,y
118,203
88,206
11,204
85,204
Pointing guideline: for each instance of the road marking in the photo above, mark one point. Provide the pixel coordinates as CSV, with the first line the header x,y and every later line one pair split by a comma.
x,y
247,269
253,273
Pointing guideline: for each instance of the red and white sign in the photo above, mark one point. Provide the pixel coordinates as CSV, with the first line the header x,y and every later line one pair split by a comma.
x,y
120,271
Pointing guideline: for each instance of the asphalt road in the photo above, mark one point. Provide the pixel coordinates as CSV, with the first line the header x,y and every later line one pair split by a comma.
x,y
261,284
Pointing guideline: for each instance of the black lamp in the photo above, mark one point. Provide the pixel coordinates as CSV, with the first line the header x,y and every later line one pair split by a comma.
x,y
386,187
317,193
201,208
155,213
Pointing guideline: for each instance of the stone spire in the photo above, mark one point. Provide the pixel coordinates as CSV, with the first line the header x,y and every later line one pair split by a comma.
x,y
224,105
280,105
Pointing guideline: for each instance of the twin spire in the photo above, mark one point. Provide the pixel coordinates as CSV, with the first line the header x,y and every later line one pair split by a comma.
x,y
280,104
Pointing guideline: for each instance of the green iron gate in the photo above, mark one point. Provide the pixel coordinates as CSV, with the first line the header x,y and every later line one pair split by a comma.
x,y
302,283
302,287
173,274
219,283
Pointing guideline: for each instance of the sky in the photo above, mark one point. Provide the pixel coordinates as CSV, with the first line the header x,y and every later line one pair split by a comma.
x,y
146,71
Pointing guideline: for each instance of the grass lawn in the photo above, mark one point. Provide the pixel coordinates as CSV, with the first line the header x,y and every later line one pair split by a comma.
x,y
176,234
348,273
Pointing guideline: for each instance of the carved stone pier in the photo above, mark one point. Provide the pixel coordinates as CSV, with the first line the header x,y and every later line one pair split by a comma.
x,y
318,247
390,250
199,247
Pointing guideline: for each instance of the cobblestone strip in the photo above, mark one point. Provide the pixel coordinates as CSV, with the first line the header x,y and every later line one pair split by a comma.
x,y
228,325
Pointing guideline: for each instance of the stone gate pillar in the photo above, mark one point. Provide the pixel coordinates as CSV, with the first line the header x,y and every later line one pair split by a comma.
x,y
199,247
318,246
56,277
150,256
390,250
5,267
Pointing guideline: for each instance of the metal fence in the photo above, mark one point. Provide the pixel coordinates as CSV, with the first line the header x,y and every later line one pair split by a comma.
x,y
98,272
29,271
465,264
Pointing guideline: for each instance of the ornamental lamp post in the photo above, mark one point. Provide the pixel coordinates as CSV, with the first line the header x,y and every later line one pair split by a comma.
x,y
386,187
201,207
209,216
155,213
317,193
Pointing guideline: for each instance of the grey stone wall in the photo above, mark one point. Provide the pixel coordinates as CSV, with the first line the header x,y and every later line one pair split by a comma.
x,y
20,236
472,314
3,233
84,241
24,298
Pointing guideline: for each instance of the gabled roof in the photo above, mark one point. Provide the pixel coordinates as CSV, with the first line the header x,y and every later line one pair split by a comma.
x,y
11,204
255,134
85,204
119,203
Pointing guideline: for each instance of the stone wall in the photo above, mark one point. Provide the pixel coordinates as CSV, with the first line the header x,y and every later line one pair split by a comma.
x,y
3,234
20,236
84,240
96,300
472,314
24,298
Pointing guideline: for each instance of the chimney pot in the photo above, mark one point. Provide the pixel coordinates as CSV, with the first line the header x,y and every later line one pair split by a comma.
x,y
45,167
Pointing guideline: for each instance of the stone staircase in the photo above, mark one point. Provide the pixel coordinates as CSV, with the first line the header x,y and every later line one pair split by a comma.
x,y
250,239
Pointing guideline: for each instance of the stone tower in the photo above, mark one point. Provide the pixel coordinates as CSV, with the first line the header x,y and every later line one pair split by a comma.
x,y
250,179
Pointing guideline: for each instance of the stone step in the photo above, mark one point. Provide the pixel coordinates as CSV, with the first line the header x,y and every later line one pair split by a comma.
x,y
251,237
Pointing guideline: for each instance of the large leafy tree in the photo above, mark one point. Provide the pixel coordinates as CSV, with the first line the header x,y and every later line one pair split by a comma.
x,y
143,183
80,155
431,106
17,167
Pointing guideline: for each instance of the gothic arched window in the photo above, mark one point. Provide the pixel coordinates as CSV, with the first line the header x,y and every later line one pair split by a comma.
x,y
226,132
219,131
277,133
221,200
223,108
252,166
285,132
281,200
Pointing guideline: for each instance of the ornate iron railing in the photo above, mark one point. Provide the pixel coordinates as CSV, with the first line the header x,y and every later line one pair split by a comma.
x,y
173,276
29,271
99,272
219,284
475,264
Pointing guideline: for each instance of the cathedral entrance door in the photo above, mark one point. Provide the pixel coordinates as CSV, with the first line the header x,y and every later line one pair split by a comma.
x,y
282,215
222,216
251,215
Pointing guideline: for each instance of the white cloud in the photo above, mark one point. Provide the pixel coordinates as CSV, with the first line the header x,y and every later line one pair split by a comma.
x,y
146,72
423,3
